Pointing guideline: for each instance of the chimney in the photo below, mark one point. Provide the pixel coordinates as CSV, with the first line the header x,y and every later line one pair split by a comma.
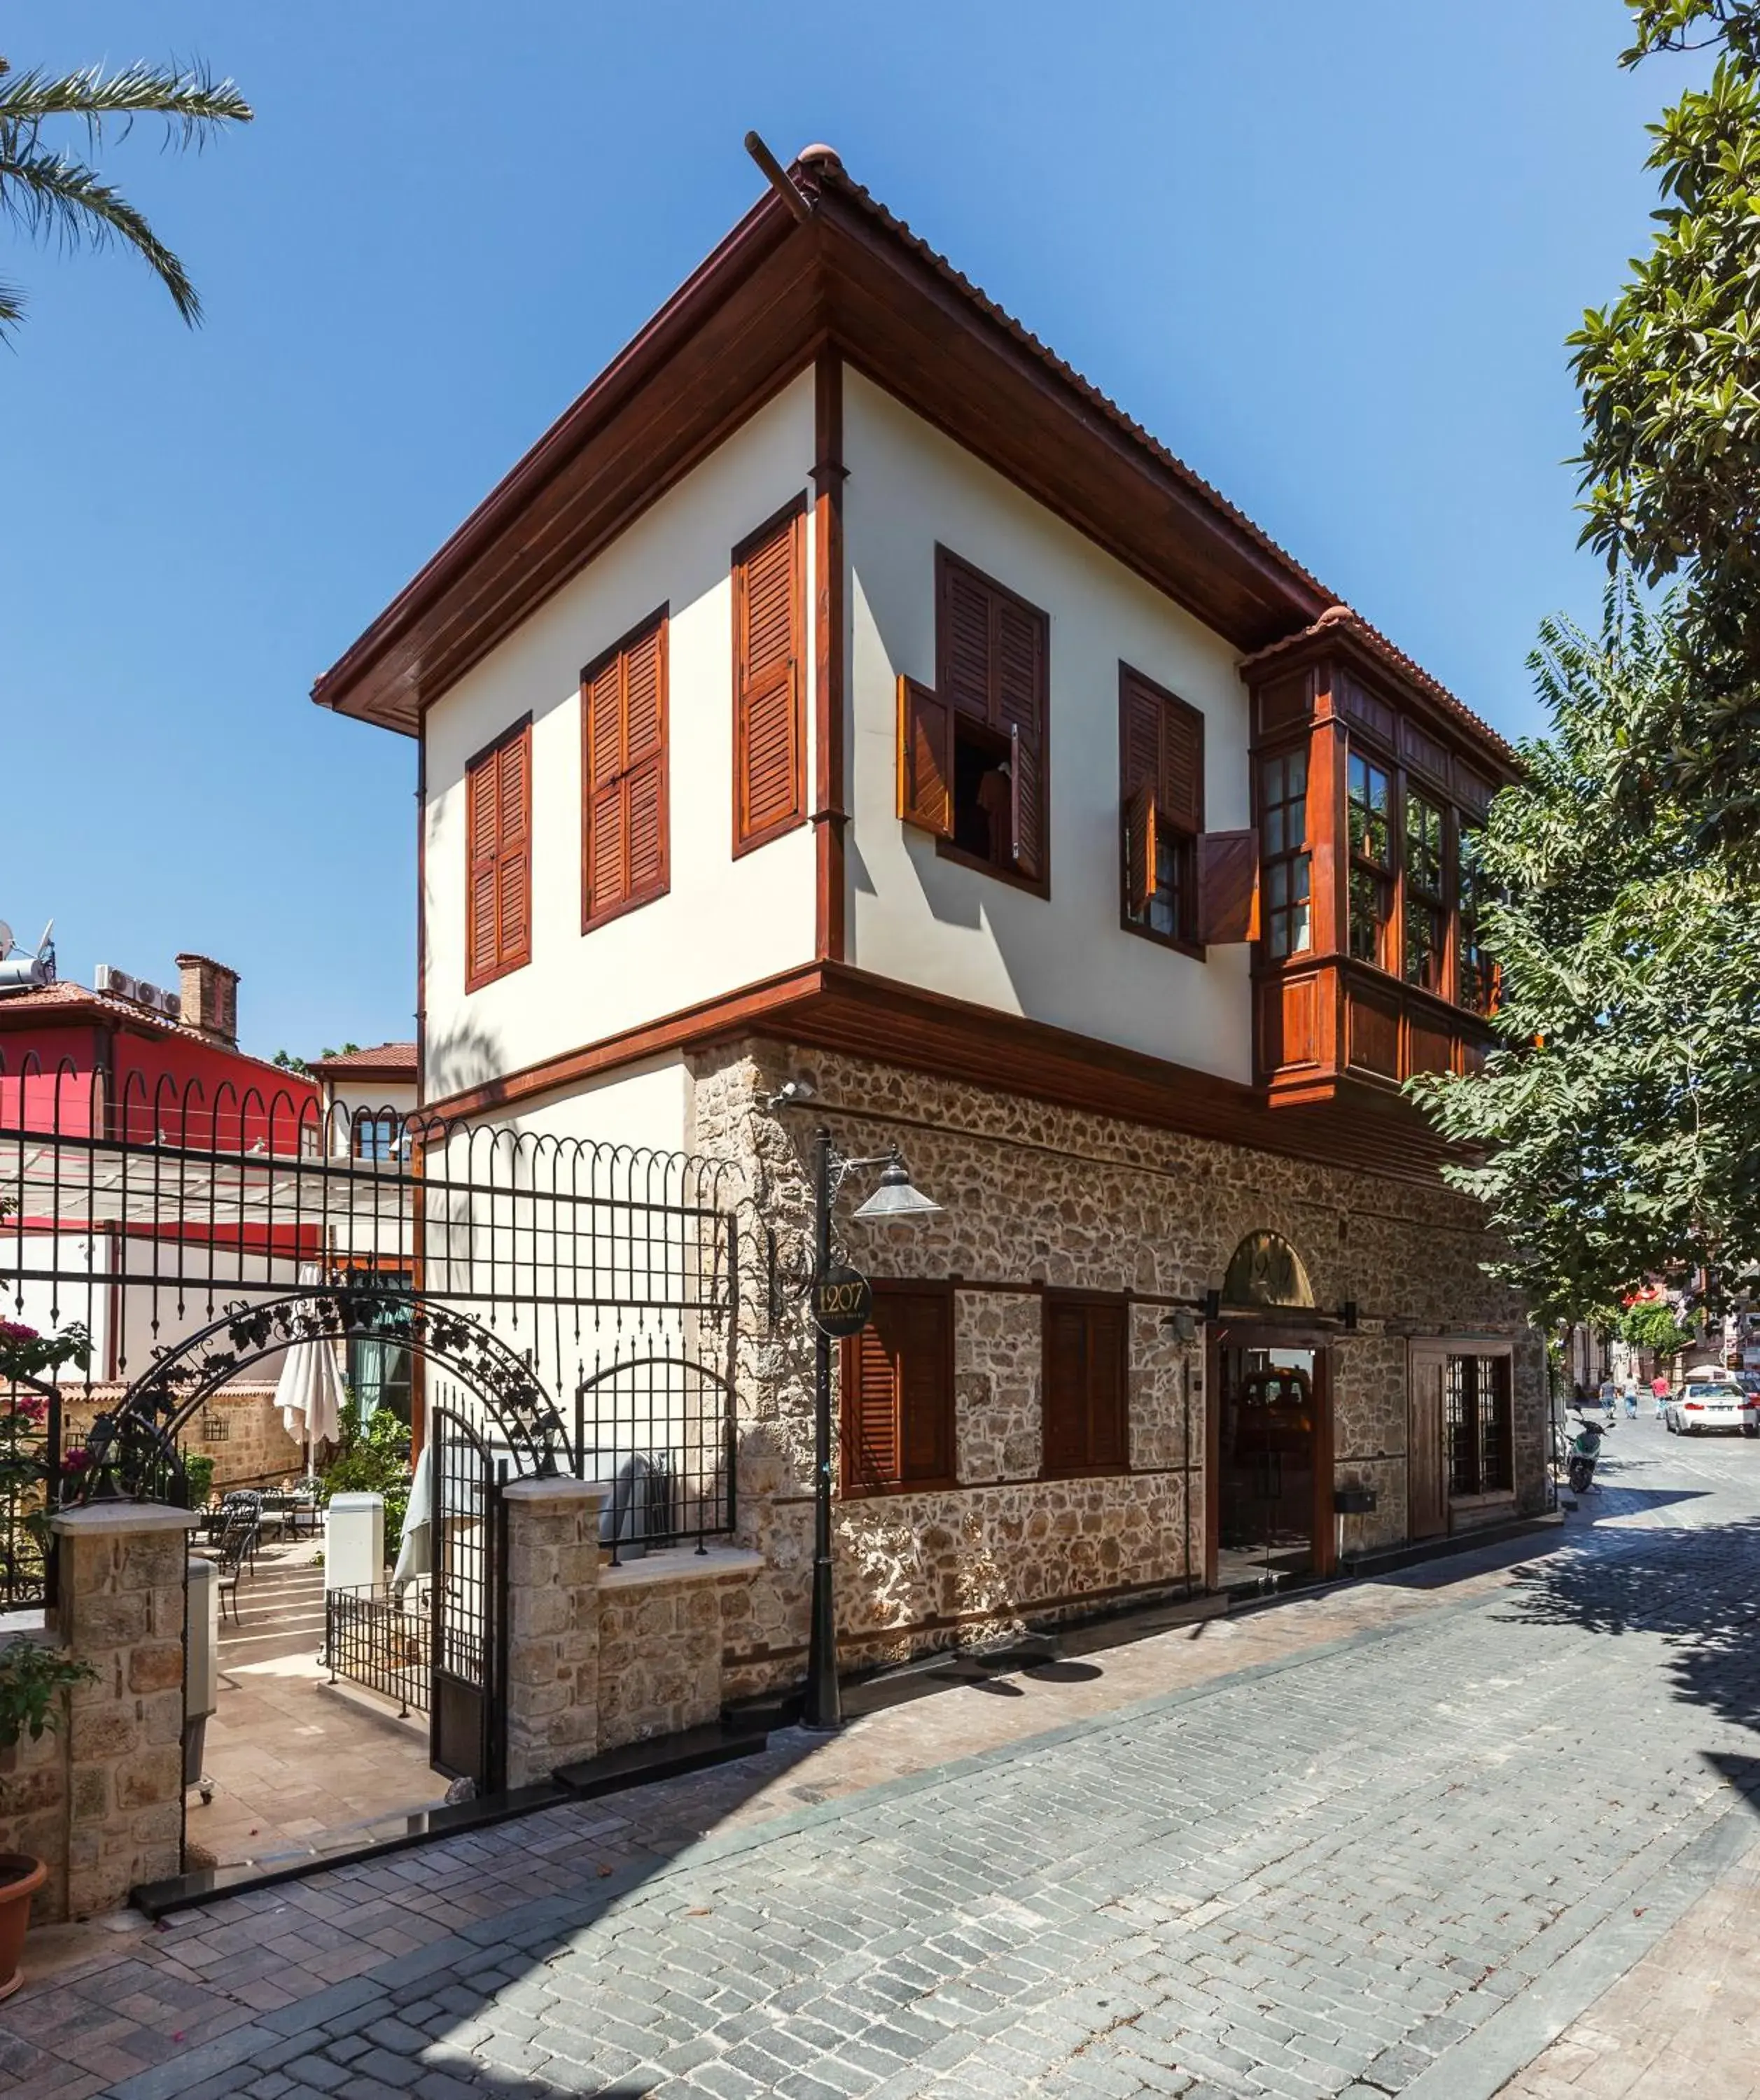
x,y
211,999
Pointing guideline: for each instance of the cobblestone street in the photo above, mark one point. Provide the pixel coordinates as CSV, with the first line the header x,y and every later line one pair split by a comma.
x,y
1392,1840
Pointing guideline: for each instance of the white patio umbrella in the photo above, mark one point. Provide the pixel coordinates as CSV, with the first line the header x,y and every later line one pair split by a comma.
x,y
308,1391
415,1551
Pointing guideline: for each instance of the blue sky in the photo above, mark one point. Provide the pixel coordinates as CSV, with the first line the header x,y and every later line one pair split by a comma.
x,y
1326,249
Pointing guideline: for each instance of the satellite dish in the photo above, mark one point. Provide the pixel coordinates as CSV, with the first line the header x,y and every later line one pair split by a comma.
x,y
6,940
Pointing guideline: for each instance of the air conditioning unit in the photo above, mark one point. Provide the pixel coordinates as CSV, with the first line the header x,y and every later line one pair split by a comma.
x,y
148,994
171,1005
118,983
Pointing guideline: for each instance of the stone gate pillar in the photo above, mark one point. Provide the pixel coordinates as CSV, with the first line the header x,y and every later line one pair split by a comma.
x,y
120,1607
553,1626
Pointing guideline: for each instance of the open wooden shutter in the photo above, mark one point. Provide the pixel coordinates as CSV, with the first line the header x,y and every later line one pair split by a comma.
x,y
1026,803
1228,887
512,872
1139,851
1181,788
925,760
922,1324
770,720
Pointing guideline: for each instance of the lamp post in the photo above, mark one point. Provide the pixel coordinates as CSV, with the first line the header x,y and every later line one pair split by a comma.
x,y
894,1199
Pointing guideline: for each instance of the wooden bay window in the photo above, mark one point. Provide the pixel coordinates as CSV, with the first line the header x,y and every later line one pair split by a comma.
x,y
1426,920
1285,865
1369,797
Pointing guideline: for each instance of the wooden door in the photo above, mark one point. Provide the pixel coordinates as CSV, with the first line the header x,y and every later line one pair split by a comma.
x,y
1427,1498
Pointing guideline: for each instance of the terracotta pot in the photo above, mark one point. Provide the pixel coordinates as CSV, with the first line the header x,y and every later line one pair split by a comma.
x,y
20,1878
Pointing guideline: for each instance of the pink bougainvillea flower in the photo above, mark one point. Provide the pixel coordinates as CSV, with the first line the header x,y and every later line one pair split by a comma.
x,y
14,1331
32,1406
76,1460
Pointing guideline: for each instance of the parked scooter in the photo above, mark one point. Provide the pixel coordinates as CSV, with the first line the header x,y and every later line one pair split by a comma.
x,y
1584,1449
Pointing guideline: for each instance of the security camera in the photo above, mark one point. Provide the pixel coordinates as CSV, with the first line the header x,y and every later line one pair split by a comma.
x,y
792,1094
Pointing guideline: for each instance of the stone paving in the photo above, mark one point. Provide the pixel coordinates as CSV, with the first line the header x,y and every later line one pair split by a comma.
x,y
1428,1823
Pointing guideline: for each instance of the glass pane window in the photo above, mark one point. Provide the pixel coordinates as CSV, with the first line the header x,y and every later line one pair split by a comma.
x,y
1423,943
1369,798
1423,847
1284,868
1425,926
1480,1442
1371,896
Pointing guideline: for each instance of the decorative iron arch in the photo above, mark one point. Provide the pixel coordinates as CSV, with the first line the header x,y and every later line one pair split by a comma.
x,y
133,1451
1266,1270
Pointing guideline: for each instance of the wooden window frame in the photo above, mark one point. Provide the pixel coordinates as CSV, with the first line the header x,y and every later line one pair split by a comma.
x,y
1414,898
794,512
1286,856
1052,1303
478,973
1185,941
661,620
1357,862
1460,1352
855,1486
1468,897
1039,885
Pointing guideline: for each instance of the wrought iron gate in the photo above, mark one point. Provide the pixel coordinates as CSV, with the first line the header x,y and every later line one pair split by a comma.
x,y
466,1735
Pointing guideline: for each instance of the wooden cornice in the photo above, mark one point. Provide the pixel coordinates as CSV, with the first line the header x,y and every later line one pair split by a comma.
x,y
833,1006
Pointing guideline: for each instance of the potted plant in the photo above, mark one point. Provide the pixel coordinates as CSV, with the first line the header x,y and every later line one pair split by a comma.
x,y
34,1680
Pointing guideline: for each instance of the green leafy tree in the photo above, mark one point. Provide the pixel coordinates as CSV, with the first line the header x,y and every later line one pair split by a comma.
x,y
1614,1130
49,194
1671,381
1650,1326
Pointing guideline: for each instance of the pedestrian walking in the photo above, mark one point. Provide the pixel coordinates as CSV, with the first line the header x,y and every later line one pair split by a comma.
x,y
1659,1387
1631,1399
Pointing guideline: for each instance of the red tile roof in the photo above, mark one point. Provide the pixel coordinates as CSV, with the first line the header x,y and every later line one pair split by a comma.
x,y
1347,620
387,1061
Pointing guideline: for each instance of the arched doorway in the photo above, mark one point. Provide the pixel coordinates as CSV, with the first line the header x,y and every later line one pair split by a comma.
x,y
429,1644
1269,1422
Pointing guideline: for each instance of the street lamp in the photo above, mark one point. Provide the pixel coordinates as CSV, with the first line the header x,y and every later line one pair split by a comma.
x,y
894,1200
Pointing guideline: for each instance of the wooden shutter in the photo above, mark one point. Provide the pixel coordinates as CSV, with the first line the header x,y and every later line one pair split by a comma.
x,y
1161,778
1087,1410
1064,1410
925,760
1108,1382
963,641
513,873
897,1394
870,1412
1140,854
1026,796
770,692
924,1335
498,856
624,845
1228,887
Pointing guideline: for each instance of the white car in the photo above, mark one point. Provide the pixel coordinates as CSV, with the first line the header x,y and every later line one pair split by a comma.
x,y
1712,1399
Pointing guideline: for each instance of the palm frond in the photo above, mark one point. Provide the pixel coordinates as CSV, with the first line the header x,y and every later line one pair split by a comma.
x,y
11,310
48,196
188,97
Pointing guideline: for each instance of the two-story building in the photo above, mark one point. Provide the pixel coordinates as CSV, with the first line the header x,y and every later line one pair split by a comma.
x,y
845,691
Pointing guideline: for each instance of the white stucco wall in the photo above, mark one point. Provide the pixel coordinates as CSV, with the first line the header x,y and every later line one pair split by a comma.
x,y
953,929
725,922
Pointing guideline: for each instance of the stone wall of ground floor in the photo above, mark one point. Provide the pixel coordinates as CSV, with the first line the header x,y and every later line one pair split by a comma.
x,y
1036,1198
240,1427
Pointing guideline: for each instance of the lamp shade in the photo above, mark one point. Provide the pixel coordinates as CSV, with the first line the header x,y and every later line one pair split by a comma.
x,y
896,1198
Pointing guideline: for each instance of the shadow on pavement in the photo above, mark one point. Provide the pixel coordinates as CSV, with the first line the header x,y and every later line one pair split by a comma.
x,y
1695,1586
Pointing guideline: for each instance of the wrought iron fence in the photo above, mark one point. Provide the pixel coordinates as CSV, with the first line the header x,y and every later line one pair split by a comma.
x,y
197,1232
381,1638
658,1431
